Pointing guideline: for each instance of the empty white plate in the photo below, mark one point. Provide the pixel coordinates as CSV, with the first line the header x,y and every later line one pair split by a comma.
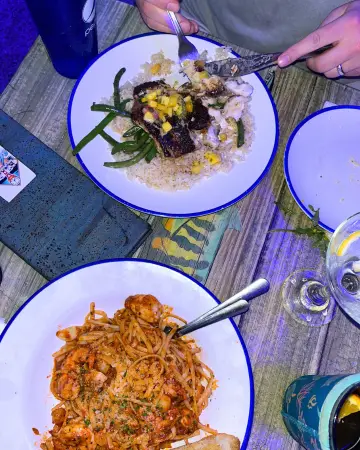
x,y
322,164
208,196
29,340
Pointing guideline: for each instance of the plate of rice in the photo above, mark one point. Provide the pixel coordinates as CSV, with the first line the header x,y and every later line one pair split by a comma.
x,y
171,140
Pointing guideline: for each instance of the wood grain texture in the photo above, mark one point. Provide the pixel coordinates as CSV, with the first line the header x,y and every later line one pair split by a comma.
x,y
227,250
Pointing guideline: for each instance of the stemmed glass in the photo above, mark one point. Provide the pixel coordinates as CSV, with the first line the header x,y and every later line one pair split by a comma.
x,y
309,296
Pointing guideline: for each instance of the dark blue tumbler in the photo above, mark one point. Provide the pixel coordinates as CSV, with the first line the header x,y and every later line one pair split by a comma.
x,y
68,30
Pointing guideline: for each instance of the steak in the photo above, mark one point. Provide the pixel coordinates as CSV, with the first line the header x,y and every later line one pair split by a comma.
x,y
177,142
199,119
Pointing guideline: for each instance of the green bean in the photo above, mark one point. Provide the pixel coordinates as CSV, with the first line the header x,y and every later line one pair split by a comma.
x,y
139,147
139,134
240,133
109,108
132,131
108,138
116,87
93,133
124,103
152,153
130,162
120,147
130,146
144,140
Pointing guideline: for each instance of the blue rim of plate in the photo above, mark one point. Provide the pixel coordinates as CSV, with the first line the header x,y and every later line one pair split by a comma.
x,y
159,213
287,152
105,261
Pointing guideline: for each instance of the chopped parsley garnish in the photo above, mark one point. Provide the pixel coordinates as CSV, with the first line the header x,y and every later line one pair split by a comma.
x,y
123,404
128,430
217,105
87,422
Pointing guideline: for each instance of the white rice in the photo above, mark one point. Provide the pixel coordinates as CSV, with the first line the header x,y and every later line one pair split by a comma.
x,y
171,174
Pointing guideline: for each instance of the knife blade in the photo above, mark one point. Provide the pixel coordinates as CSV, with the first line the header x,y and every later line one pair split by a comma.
x,y
236,67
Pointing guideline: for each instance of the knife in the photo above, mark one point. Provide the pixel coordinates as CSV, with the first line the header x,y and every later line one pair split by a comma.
x,y
237,67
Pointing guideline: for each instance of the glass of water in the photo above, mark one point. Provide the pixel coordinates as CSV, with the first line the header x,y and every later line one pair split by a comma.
x,y
309,296
343,266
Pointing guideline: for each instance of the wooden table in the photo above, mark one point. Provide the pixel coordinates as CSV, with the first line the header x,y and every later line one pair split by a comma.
x,y
225,251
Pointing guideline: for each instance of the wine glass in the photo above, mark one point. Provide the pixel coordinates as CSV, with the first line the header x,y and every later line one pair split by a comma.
x,y
309,296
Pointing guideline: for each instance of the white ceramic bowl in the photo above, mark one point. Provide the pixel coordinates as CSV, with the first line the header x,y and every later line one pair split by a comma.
x,y
210,195
322,164
29,340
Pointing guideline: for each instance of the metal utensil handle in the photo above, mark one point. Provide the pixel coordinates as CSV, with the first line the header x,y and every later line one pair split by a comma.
x,y
240,307
271,59
317,52
275,56
175,23
255,289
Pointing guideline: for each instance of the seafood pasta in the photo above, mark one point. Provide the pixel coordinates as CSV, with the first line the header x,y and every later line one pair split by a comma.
x,y
123,383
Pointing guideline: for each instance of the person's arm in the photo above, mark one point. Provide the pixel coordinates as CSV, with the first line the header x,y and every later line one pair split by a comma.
x,y
342,29
155,16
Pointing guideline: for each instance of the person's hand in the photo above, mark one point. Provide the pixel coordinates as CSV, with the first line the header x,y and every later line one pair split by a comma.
x,y
155,16
341,29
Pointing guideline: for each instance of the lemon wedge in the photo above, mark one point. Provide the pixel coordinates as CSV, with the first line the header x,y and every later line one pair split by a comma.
x,y
351,406
347,242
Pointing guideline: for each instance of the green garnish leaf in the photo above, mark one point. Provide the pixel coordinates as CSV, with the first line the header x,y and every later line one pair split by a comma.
x,y
217,105
318,236
128,430
87,422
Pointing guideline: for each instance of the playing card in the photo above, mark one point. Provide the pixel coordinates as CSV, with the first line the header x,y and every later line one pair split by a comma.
x,y
14,175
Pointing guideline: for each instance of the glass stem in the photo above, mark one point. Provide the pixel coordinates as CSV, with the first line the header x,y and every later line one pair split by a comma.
x,y
314,296
318,295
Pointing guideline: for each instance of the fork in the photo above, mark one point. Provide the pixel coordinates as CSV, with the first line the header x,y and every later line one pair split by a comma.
x,y
232,307
186,49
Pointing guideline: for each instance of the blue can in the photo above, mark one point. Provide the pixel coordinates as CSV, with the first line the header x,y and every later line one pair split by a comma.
x,y
310,407
68,30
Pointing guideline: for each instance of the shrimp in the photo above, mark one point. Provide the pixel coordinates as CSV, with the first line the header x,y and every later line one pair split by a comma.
x,y
58,416
95,379
76,435
69,334
75,358
67,386
146,307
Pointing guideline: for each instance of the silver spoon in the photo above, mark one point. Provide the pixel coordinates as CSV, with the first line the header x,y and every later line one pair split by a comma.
x,y
230,308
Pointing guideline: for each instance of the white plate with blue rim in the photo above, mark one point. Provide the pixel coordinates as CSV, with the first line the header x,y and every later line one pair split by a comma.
x,y
322,164
207,196
29,340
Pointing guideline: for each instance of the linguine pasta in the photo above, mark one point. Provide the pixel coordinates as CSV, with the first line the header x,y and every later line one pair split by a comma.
x,y
122,383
